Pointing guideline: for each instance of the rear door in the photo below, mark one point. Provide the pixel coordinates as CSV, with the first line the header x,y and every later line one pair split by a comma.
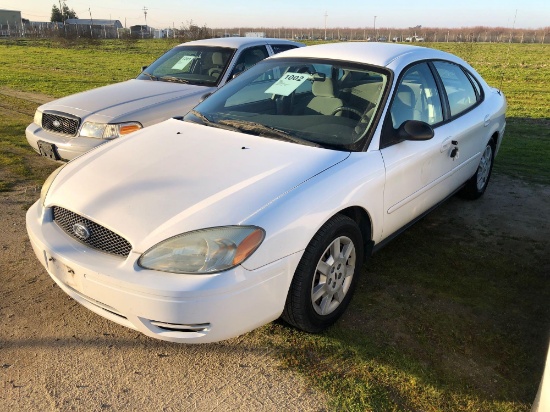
x,y
466,125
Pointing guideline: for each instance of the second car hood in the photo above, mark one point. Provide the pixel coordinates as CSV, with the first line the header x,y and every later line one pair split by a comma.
x,y
122,98
176,176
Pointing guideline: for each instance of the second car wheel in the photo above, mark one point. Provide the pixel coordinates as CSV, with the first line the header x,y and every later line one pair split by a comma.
x,y
326,276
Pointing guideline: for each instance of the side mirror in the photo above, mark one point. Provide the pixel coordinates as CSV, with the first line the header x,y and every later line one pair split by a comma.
x,y
415,130
204,96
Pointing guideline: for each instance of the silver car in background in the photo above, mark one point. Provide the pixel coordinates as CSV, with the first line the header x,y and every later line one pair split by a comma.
x,y
68,127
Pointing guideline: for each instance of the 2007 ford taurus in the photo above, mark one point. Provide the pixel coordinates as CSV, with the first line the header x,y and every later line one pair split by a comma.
x,y
264,201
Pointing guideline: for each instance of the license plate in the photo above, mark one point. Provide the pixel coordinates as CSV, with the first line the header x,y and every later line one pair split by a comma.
x,y
48,150
63,273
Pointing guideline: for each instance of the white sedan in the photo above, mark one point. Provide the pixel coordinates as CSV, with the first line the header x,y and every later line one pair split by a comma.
x,y
265,200
170,86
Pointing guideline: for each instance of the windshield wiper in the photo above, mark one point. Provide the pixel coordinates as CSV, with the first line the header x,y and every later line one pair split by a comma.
x,y
207,122
150,76
266,131
173,79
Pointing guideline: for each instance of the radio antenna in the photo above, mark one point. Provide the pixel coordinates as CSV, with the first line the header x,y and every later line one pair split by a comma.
x,y
508,51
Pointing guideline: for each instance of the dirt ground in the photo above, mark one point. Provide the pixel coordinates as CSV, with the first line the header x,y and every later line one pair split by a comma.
x,y
56,355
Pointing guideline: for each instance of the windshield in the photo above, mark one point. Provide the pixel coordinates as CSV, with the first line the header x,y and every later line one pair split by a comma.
x,y
323,103
198,65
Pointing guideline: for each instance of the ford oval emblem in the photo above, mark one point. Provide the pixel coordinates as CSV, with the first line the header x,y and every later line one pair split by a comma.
x,y
81,231
56,123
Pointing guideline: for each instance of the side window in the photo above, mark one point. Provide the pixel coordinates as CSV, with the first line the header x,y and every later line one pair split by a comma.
x,y
476,85
277,48
459,89
416,98
249,58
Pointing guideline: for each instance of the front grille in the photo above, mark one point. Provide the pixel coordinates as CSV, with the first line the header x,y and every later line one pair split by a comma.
x,y
60,123
90,233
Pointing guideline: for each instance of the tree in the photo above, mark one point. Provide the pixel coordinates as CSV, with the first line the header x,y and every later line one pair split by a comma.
x,y
194,32
68,13
56,14
63,14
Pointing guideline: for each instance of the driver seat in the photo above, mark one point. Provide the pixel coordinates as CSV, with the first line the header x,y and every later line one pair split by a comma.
x,y
324,100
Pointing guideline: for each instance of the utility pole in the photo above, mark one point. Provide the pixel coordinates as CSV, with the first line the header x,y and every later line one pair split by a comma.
x,y
374,28
326,15
145,14
91,23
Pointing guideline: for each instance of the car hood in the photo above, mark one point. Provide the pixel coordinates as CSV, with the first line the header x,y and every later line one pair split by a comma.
x,y
176,176
120,99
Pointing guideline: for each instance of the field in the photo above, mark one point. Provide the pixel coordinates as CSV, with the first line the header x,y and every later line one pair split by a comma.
x,y
467,331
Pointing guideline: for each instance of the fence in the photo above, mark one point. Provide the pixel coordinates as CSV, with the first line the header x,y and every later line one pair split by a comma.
x,y
477,34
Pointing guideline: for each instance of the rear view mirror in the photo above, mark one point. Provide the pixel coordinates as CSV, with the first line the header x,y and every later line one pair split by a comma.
x,y
143,68
415,130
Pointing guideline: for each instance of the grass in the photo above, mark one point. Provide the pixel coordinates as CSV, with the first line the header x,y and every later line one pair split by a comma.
x,y
525,152
463,332
50,68
18,163
424,335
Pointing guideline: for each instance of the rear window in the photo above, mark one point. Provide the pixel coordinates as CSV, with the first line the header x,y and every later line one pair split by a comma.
x,y
460,91
278,48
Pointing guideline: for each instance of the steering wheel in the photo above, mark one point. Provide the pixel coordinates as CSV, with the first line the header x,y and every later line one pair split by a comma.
x,y
346,109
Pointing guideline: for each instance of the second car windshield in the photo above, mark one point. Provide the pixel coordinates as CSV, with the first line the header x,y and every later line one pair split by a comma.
x,y
199,65
320,102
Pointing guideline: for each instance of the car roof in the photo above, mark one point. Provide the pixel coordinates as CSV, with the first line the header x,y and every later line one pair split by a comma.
x,y
236,42
379,54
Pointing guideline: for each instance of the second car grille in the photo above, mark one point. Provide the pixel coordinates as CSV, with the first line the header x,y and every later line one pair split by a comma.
x,y
60,123
90,233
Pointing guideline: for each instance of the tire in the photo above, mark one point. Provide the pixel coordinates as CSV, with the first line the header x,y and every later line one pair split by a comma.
x,y
477,184
323,283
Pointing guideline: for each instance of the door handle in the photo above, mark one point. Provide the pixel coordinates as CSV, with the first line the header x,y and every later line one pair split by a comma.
x,y
446,144
487,120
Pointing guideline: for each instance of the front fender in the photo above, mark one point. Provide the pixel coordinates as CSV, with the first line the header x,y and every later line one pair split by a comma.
x,y
293,219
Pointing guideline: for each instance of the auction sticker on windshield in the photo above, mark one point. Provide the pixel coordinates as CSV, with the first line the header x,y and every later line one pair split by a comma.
x,y
183,62
288,83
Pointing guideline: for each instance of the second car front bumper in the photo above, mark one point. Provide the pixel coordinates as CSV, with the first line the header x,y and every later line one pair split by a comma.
x,y
67,147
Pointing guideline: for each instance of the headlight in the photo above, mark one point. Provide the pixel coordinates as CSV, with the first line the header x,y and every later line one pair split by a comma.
x,y
48,183
204,251
38,117
108,131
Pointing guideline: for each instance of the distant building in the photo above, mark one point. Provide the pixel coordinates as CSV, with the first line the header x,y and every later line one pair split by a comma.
x,y
162,33
140,30
254,34
95,22
10,20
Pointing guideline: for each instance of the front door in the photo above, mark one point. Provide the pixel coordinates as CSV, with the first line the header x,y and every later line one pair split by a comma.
x,y
417,172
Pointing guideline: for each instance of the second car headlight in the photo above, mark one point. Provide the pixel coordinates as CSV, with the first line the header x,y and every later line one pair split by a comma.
x,y
108,131
204,251
38,117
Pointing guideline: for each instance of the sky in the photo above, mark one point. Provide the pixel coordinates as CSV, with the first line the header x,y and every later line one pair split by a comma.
x,y
526,14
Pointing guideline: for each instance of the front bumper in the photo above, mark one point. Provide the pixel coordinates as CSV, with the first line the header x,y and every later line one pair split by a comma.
x,y
67,147
172,307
